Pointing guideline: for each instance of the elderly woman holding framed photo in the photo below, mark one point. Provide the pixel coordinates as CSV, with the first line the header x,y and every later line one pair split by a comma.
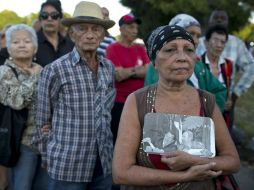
x,y
172,51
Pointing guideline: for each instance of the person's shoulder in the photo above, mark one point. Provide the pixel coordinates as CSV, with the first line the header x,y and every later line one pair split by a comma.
x,y
41,37
138,45
235,39
114,45
61,62
199,64
36,64
5,70
228,61
208,96
150,88
106,62
109,39
66,41
201,39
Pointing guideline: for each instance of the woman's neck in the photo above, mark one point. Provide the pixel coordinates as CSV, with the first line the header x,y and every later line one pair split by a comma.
x,y
23,63
172,88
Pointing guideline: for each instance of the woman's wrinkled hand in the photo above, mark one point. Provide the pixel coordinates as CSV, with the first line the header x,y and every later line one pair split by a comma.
x,y
202,172
178,160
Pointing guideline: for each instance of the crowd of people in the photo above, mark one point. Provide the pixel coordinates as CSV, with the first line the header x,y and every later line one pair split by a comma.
x,y
88,94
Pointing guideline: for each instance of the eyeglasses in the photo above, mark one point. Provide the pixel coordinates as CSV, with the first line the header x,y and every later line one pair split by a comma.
x,y
217,41
53,15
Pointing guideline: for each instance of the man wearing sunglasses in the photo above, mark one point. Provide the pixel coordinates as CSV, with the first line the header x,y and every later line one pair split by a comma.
x,y
52,44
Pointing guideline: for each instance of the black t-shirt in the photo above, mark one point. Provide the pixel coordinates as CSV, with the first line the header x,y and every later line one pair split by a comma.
x,y
46,52
3,55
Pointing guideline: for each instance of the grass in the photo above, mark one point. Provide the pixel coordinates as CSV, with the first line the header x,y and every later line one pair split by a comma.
x,y
244,113
244,120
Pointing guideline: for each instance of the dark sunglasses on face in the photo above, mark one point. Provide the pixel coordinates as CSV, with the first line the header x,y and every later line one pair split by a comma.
x,y
53,15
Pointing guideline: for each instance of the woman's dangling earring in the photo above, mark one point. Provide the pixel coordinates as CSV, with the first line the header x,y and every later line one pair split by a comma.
x,y
34,58
10,58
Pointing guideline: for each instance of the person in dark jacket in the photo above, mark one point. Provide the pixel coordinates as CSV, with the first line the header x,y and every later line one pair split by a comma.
x,y
51,44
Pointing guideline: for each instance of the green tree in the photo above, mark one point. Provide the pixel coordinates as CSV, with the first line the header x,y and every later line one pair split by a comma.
x,y
10,17
247,33
155,13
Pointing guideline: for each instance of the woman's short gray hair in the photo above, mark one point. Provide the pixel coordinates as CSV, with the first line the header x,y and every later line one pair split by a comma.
x,y
23,27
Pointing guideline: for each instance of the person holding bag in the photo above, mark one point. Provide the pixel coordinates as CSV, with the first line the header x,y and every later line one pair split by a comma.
x,y
18,80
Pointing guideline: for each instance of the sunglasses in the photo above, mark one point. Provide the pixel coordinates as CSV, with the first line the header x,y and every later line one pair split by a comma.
x,y
53,15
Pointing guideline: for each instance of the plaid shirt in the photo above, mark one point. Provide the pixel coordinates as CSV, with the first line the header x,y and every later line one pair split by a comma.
x,y
236,51
77,103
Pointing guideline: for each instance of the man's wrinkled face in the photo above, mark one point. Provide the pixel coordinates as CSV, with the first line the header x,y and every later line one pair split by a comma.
x,y
129,31
87,37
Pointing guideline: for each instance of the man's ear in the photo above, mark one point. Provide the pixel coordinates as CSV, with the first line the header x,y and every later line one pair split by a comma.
x,y
121,29
103,35
71,33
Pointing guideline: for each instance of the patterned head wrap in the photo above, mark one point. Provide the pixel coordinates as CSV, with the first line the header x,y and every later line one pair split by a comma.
x,y
162,35
184,21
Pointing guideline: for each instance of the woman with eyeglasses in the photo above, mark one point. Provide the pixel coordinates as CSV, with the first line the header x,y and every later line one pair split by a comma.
x,y
18,81
52,43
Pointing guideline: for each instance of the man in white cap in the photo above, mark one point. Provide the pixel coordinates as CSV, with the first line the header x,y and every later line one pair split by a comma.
x,y
75,96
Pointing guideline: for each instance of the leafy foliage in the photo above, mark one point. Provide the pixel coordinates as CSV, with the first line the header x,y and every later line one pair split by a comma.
x,y
10,17
155,13
246,33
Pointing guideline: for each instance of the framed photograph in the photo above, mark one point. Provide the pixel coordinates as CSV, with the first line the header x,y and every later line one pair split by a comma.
x,y
163,133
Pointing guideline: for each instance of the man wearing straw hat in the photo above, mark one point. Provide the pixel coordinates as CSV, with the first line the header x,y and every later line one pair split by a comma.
x,y
75,96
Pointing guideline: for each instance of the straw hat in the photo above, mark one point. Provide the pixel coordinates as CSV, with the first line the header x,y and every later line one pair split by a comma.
x,y
88,12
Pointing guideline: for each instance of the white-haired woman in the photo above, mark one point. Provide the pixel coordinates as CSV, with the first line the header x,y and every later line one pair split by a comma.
x,y
18,78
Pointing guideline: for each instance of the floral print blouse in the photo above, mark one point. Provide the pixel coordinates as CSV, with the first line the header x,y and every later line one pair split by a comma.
x,y
19,93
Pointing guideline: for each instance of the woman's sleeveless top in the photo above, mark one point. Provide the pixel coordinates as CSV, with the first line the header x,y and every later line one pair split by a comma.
x,y
145,99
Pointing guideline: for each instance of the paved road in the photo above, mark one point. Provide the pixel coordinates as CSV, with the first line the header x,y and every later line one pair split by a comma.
x,y
245,177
